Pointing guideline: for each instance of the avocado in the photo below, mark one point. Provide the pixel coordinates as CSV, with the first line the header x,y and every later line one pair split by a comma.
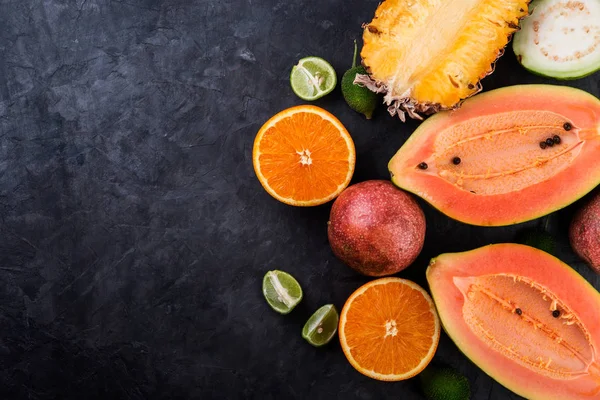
x,y
444,383
359,98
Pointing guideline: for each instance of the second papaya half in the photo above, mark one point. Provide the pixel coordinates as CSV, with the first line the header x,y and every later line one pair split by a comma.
x,y
524,317
506,156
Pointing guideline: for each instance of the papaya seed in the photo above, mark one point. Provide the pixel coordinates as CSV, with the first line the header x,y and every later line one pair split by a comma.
x,y
567,126
556,313
556,139
423,165
549,142
456,160
542,145
519,311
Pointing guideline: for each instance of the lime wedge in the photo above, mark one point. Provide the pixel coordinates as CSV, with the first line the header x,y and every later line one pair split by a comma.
x,y
282,291
312,78
321,326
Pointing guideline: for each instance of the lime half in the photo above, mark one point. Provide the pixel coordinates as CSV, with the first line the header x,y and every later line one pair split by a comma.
x,y
321,326
282,291
312,78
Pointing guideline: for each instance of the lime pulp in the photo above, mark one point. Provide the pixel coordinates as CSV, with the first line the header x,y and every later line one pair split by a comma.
x,y
322,326
281,291
312,78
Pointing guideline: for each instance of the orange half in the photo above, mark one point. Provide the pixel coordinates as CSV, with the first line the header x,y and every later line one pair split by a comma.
x,y
304,156
389,329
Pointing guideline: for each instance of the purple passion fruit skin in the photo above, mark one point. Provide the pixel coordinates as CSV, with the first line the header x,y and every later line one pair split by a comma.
x,y
376,228
584,233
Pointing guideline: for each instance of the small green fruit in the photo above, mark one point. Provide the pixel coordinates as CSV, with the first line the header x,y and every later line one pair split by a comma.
x,y
537,238
444,384
282,291
321,326
359,98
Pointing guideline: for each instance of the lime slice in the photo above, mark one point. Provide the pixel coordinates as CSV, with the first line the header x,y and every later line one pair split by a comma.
x,y
312,78
282,291
321,326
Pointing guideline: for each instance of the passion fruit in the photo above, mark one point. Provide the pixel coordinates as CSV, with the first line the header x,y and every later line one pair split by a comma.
x,y
376,228
584,232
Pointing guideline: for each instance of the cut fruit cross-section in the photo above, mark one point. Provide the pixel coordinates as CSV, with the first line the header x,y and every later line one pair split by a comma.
x,y
282,291
428,55
506,156
389,329
312,78
304,156
321,326
524,317
561,39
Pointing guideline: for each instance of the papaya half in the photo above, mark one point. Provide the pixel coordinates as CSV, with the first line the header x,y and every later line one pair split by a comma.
x,y
506,156
524,317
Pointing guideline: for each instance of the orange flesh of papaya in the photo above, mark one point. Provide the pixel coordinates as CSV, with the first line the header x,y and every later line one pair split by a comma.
x,y
524,317
485,164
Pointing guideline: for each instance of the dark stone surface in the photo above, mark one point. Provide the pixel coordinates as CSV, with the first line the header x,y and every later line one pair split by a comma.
x,y
134,234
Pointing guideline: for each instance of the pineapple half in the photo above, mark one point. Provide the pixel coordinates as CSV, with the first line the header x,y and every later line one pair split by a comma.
x,y
429,55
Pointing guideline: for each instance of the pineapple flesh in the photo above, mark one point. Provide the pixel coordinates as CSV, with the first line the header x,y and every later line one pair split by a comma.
x,y
429,55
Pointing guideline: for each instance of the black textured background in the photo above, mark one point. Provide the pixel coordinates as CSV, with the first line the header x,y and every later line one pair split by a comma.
x,y
134,234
